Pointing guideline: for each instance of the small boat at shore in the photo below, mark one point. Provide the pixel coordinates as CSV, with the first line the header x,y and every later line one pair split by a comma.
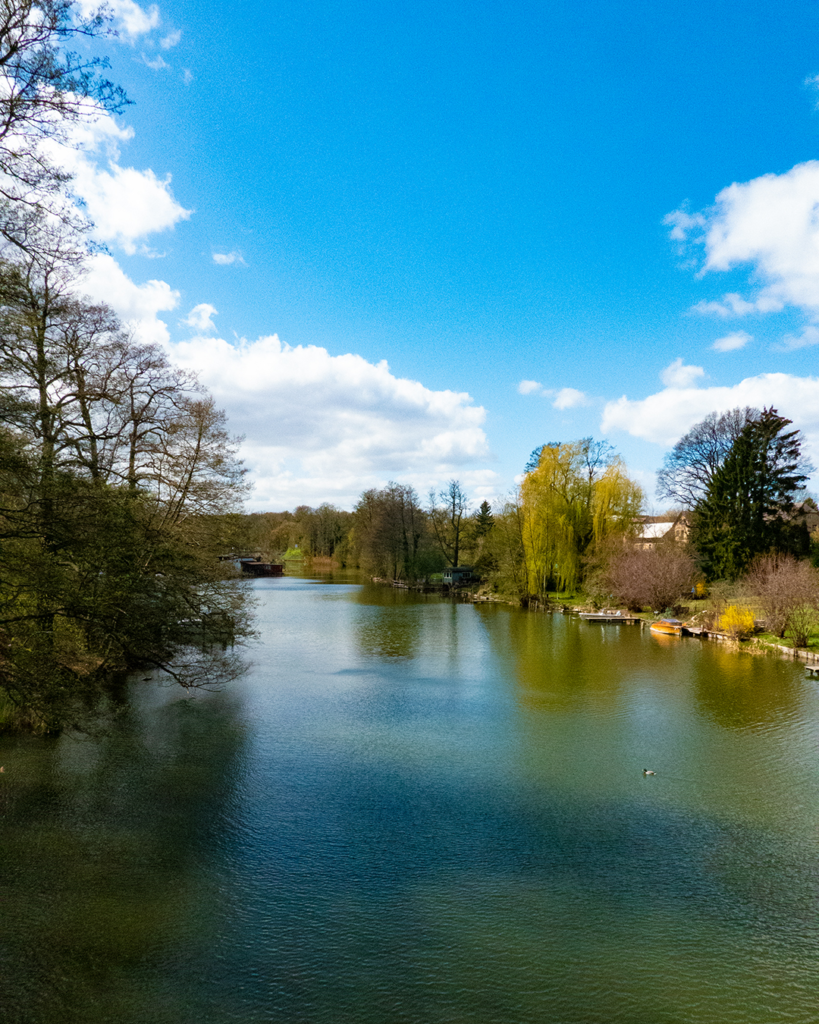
x,y
253,568
608,617
668,627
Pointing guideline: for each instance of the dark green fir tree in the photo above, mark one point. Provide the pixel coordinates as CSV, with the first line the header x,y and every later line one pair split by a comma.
x,y
749,506
484,520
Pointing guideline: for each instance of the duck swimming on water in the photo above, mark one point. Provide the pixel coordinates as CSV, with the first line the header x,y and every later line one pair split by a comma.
x,y
648,771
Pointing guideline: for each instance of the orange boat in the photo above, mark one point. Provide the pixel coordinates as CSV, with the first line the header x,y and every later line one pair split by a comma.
x,y
669,627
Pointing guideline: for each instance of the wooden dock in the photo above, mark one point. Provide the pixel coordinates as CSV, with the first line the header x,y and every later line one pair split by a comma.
x,y
609,617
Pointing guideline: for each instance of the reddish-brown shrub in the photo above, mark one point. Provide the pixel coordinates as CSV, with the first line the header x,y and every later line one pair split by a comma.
x,y
657,576
788,593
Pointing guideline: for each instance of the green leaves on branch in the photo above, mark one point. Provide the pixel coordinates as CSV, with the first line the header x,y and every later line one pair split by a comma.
x,y
577,496
115,472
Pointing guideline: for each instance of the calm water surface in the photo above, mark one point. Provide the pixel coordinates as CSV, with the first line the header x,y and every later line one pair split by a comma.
x,y
415,812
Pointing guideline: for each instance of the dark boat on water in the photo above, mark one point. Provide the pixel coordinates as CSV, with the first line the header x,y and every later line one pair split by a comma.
x,y
254,568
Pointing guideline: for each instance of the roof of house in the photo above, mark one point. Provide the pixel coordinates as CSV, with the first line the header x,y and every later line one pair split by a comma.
x,y
653,531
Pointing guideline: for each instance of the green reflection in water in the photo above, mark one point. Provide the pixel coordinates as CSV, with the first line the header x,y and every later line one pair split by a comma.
x,y
743,691
102,866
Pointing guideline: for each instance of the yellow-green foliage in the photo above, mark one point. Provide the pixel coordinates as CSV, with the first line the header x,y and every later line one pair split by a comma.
x,y
567,506
737,621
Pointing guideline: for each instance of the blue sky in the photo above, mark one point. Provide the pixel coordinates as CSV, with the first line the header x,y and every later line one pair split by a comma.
x,y
524,210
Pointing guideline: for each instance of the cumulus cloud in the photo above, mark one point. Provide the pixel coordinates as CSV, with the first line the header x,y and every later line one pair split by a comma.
x,y
731,342
137,305
678,375
770,225
170,40
664,417
320,427
527,387
224,259
568,398
130,20
201,317
126,205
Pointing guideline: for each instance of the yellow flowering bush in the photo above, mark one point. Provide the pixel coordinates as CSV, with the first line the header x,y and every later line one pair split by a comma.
x,y
737,621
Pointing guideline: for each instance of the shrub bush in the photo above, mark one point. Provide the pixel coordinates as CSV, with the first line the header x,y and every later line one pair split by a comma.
x,y
737,621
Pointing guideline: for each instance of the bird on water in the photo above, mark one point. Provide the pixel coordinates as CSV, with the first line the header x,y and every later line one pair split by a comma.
x,y
648,771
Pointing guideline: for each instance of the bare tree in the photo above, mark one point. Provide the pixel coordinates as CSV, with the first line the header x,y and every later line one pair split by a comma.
x,y
196,469
447,519
153,394
44,90
788,593
389,526
690,465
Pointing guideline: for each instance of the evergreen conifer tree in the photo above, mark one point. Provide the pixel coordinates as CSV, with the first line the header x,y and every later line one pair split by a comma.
x,y
748,506
484,520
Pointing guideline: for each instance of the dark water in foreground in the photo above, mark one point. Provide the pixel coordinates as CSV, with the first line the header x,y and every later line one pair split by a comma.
x,y
414,812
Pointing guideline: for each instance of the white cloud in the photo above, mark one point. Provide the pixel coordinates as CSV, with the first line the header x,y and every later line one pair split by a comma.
x,y
733,304
731,342
126,205
682,223
201,317
568,398
770,224
130,20
321,427
137,306
677,375
187,76
664,417
224,259
157,64
808,337
565,398
171,39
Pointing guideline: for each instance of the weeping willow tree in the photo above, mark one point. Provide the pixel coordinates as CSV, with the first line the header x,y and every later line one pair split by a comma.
x,y
574,496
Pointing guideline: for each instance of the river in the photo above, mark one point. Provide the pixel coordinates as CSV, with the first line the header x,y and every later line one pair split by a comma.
x,y
410,811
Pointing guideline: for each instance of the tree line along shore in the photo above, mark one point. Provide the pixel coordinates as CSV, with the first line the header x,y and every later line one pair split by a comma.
x,y
116,468
736,553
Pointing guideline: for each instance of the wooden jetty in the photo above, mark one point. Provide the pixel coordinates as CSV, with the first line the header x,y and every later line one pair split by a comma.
x,y
609,617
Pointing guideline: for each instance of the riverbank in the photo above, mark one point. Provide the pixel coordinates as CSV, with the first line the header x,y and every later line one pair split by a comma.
x,y
560,603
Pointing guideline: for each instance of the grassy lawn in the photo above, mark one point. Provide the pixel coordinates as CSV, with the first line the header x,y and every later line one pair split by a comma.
x,y
769,638
571,597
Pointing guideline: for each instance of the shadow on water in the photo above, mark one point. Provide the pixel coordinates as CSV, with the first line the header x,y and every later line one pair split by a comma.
x,y
103,854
